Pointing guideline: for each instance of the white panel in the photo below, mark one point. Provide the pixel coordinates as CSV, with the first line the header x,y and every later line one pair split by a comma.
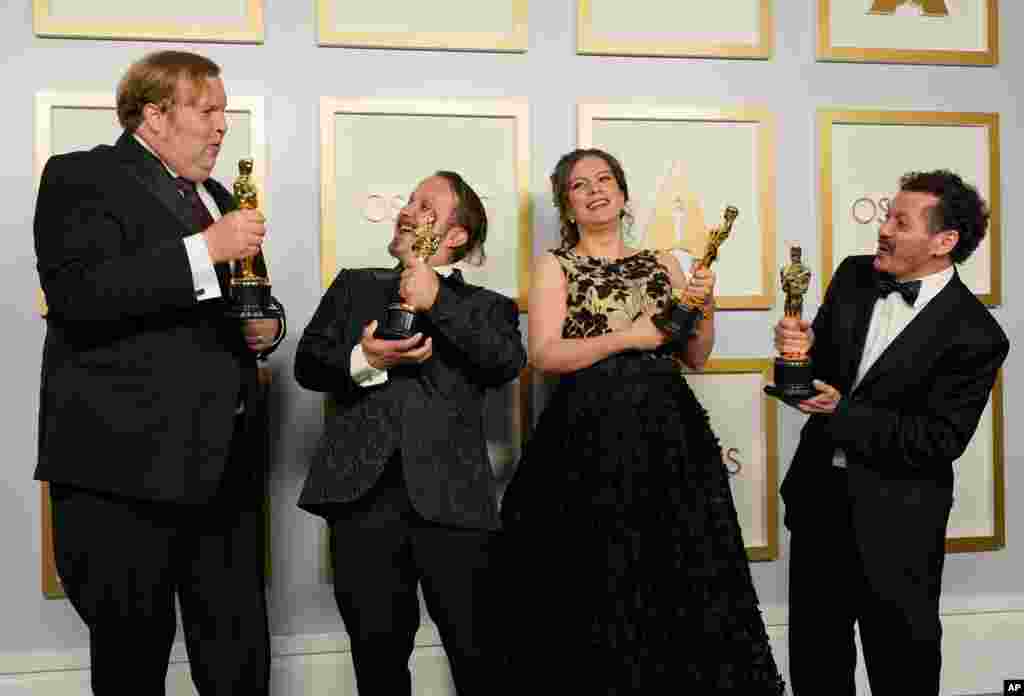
x,y
687,21
696,168
867,163
735,403
964,29
415,16
973,513
380,157
121,11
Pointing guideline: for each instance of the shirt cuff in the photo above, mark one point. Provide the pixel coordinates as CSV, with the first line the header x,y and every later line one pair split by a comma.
x,y
685,260
363,373
204,277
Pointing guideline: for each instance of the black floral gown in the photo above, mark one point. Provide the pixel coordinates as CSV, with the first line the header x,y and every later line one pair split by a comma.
x,y
626,570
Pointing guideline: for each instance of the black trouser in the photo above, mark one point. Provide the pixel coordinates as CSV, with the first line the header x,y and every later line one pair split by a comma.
x,y
382,549
829,592
122,563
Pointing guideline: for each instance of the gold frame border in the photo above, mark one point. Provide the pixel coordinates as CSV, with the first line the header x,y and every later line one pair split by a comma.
x,y
826,52
516,40
829,117
45,102
51,586
588,112
998,539
249,30
764,367
590,43
514,108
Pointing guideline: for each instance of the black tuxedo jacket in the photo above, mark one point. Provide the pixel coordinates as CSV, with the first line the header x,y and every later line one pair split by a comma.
x,y
911,416
431,413
140,381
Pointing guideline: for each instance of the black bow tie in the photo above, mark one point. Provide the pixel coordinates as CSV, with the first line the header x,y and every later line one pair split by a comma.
x,y
455,276
908,290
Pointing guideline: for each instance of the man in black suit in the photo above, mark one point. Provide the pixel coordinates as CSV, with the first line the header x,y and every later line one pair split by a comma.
x,y
906,357
147,418
402,476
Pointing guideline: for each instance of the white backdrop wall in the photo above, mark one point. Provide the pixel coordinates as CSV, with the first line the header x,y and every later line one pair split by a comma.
x,y
43,645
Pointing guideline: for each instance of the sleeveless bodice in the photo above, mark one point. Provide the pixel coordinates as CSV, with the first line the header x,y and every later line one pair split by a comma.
x,y
606,295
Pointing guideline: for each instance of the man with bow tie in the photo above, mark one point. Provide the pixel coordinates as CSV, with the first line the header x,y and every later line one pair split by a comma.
x,y
905,358
402,475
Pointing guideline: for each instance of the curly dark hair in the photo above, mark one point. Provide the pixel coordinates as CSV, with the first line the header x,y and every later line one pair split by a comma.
x,y
569,231
469,214
960,208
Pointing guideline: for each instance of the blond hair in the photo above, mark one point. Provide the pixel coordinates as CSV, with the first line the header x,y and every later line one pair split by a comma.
x,y
154,80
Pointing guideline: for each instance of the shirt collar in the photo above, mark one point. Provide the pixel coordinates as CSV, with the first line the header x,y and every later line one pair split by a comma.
x,y
143,143
449,267
932,285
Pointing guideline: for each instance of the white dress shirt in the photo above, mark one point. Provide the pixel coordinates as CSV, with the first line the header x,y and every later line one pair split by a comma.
x,y
891,314
204,277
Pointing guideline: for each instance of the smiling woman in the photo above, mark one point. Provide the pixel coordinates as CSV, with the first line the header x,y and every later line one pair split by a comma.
x,y
634,524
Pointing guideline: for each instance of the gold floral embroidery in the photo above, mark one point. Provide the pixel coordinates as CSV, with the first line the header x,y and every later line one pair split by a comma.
x,y
606,295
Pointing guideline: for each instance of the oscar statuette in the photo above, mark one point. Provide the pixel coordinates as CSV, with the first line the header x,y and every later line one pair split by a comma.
x,y
250,289
399,320
680,317
793,370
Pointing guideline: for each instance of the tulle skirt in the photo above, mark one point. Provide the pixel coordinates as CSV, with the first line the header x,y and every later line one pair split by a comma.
x,y
624,562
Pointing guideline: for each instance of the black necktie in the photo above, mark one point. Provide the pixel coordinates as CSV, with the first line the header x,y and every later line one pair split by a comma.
x,y
201,218
455,276
908,290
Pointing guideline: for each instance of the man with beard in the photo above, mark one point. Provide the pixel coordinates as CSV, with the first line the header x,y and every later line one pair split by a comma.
x,y
402,474
134,243
906,357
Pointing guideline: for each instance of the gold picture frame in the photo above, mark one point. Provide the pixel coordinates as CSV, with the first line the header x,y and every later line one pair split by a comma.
x,y
51,585
857,179
664,197
66,121
978,518
381,30
873,33
744,418
247,27
720,39
485,140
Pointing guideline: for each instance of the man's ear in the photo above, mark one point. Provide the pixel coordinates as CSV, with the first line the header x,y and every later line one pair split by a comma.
x,y
456,237
945,241
153,118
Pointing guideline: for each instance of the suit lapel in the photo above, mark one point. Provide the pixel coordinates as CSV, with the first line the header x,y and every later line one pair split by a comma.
x,y
927,328
145,168
221,196
864,296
